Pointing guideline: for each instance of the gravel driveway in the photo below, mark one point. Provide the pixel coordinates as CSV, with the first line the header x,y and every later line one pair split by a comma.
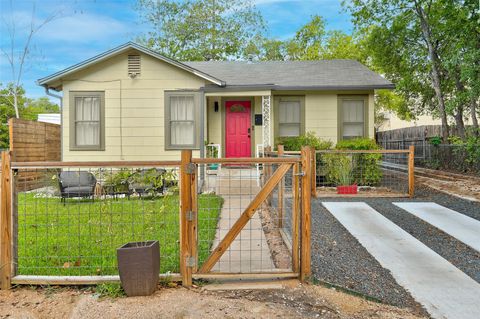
x,y
339,259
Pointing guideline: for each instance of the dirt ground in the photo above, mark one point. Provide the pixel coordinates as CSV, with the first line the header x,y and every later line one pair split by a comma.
x,y
459,186
293,301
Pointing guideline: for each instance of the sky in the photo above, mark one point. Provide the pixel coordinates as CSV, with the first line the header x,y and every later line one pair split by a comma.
x,y
82,29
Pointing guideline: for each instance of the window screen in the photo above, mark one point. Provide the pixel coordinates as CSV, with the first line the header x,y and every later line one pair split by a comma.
x,y
353,118
289,123
87,120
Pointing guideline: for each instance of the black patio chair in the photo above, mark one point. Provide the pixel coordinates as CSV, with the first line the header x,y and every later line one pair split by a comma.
x,y
76,184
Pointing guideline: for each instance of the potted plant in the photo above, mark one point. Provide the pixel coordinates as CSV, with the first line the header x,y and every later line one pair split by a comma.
x,y
345,181
139,266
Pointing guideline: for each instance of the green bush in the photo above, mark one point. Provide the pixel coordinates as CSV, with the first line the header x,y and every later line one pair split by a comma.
x,y
117,181
295,143
466,153
357,144
365,167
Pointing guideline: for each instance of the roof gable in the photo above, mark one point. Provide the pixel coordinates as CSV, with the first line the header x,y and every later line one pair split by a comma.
x,y
118,50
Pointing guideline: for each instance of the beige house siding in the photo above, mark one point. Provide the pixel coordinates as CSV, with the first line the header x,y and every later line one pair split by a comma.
x,y
134,108
214,121
321,113
371,115
258,128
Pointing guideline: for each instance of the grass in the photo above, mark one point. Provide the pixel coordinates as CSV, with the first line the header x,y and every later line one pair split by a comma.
x,y
110,290
81,237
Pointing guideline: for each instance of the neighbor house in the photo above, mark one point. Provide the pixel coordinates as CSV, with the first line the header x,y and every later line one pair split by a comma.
x,y
131,103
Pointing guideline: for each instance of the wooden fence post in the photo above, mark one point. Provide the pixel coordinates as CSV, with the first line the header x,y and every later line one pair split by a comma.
x,y
411,171
267,172
6,223
305,223
281,189
295,215
187,217
314,173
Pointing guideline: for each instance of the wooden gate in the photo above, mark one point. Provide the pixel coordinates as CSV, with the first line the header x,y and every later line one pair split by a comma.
x,y
275,171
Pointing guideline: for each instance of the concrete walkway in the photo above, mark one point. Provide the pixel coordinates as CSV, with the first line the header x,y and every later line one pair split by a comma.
x,y
440,287
462,227
249,252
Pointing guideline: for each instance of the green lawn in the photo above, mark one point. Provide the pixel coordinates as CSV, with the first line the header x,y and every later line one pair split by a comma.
x,y
81,237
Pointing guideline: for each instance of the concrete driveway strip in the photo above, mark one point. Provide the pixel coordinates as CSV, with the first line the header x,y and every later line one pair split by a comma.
x,y
444,290
462,227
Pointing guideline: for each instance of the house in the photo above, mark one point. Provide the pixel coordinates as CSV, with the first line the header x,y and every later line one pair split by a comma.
x,y
131,103
393,122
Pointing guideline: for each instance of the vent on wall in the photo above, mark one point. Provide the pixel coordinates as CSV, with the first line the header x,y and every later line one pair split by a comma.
x,y
134,66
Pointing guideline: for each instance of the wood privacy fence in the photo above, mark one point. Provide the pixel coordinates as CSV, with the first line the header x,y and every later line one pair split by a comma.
x,y
32,141
45,241
418,136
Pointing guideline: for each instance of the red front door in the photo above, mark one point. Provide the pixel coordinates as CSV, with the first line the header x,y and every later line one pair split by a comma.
x,y
237,128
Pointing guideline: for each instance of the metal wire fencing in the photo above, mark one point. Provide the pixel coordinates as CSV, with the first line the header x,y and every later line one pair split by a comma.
x,y
260,245
363,173
70,220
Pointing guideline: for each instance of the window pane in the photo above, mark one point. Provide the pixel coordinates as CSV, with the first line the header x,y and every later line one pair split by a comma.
x,y
79,108
353,111
352,130
182,133
289,129
289,112
87,109
87,133
182,108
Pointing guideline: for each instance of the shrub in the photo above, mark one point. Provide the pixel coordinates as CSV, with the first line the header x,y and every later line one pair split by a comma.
x,y
466,153
357,144
295,143
436,140
117,180
365,167
338,169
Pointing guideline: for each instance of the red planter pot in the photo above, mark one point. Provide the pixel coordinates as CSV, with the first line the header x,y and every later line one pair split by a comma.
x,y
347,189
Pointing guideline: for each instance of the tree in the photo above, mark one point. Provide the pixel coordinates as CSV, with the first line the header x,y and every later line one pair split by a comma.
x,y
460,53
201,30
7,111
17,55
41,105
308,41
406,44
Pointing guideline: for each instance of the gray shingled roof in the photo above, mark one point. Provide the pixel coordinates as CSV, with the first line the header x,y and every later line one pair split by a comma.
x,y
301,75
324,74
